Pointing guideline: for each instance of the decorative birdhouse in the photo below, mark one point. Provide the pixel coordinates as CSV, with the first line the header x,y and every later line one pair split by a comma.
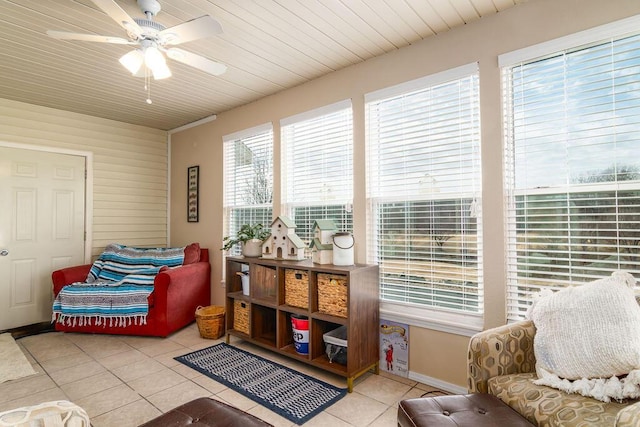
x,y
321,245
283,243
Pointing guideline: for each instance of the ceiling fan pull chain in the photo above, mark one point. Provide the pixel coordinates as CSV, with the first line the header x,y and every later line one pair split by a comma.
x,y
147,84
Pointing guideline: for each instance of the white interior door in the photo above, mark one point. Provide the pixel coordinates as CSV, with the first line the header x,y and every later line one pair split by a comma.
x,y
42,229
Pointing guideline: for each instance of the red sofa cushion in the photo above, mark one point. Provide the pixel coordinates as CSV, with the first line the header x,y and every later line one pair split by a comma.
x,y
191,253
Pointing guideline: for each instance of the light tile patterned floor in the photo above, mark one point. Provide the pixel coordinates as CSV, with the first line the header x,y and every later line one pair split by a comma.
x,y
124,381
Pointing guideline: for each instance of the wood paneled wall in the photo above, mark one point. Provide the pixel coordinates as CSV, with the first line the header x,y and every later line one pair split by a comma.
x,y
130,177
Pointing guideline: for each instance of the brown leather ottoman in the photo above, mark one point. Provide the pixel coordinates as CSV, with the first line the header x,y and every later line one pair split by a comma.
x,y
206,412
471,410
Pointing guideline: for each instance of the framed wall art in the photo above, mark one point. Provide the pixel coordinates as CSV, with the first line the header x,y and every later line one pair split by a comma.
x,y
193,180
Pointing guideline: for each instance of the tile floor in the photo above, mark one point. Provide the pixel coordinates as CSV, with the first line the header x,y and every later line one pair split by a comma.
x,y
124,381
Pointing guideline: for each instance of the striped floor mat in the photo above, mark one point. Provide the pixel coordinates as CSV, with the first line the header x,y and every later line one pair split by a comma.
x,y
291,394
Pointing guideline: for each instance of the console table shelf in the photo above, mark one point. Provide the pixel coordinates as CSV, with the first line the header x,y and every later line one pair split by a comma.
x,y
269,309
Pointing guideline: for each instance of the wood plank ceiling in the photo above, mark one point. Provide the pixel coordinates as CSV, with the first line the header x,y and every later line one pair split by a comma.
x,y
267,45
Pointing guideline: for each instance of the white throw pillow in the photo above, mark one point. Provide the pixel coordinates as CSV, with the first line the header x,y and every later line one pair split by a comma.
x,y
589,333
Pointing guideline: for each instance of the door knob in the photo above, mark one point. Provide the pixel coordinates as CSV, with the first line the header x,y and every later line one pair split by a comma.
x,y
4,252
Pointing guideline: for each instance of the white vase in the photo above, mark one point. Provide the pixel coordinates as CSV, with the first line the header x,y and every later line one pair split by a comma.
x,y
252,248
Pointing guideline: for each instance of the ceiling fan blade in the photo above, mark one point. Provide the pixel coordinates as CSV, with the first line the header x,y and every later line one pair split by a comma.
x,y
115,12
196,61
197,28
62,35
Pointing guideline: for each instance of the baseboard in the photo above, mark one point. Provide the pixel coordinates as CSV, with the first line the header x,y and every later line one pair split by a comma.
x,y
434,382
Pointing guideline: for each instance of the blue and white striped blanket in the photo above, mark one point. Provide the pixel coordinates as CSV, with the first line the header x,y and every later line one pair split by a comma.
x,y
117,288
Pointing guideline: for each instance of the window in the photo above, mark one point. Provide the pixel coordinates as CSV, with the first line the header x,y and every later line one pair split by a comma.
x,y
248,170
572,121
318,168
423,189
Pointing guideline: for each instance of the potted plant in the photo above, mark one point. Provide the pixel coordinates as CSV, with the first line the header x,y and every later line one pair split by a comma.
x,y
251,238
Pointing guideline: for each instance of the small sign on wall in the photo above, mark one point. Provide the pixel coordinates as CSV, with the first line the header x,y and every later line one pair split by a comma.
x,y
394,348
193,182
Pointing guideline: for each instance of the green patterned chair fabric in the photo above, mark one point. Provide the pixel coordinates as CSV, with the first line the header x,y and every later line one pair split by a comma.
x,y
501,362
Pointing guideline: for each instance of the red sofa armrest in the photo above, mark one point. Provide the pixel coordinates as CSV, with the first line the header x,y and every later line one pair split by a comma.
x,y
179,291
183,275
69,275
174,283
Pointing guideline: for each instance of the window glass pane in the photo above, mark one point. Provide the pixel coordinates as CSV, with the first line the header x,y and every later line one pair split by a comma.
x,y
572,170
318,170
424,194
248,165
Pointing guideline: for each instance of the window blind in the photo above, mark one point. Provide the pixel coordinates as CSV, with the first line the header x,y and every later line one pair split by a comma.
x,y
318,167
248,178
571,166
423,189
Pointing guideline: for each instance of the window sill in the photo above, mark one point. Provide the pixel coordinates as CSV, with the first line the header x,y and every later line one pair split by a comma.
x,y
431,318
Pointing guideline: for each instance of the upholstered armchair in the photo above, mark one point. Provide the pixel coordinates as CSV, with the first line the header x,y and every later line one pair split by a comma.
x,y
501,362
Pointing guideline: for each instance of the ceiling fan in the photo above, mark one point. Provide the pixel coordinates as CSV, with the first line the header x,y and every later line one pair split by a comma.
x,y
153,40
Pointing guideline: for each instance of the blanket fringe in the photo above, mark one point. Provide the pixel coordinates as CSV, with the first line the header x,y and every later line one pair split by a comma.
x,y
112,321
603,389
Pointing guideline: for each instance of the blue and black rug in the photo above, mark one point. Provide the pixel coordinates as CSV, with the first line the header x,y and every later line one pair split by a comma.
x,y
291,394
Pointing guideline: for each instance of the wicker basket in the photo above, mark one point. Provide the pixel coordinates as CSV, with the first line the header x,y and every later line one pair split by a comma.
x,y
241,316
296,288
332,294
210,321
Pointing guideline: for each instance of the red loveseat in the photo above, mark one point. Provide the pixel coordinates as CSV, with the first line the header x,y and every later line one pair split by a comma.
x,y
172,304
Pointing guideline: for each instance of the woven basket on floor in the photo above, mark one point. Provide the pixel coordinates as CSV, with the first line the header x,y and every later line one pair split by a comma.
x,y
210,321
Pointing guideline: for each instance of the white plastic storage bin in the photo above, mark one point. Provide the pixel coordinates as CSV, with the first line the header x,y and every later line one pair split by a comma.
x,y
336,345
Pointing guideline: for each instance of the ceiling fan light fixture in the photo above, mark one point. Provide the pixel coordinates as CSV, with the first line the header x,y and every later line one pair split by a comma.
x,y
155,61
132,61
153,57
151,38
161,71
